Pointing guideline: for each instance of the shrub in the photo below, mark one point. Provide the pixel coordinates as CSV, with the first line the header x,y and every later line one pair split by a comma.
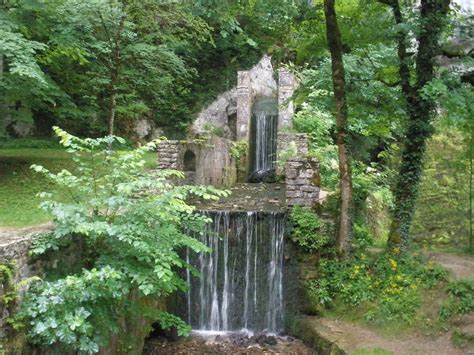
x,y
308,231
386,286
132,224
461,299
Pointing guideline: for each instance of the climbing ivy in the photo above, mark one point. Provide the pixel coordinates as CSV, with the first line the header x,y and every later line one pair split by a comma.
x,y
7,284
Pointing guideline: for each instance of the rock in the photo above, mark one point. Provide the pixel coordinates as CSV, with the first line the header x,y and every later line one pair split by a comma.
x,y
266,176
260,339
221,113
145,129
271,340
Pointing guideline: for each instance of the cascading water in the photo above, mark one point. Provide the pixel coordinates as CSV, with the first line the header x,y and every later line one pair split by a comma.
x,y
241,280
264,132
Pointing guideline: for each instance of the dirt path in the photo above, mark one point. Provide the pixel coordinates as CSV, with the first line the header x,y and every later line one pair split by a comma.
x,y
459,267
350,337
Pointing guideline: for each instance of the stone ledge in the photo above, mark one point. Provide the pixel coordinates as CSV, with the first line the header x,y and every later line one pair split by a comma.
x,y
316,335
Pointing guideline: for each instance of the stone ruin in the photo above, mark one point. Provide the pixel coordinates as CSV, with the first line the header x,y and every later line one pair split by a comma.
x,y
206,157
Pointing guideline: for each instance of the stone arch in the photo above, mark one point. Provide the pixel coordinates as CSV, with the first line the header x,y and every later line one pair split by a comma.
x,y
189,161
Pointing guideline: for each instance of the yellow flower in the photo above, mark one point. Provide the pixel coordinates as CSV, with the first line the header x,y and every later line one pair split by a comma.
x,y
393,264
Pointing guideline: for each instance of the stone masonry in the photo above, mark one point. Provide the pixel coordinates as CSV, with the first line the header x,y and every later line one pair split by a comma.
x,y
302,180
244,104
14,247
285,139
213,164
287,84
169,155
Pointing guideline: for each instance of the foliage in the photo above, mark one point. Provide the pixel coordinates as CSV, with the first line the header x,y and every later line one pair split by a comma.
x,y
372,351
65,60
286,154
136,52
309,231
7,284
211,130
461,299
238,150
462,339
386,287
441,217
132,225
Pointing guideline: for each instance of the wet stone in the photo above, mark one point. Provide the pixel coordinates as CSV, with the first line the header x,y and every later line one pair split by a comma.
x,y
228,343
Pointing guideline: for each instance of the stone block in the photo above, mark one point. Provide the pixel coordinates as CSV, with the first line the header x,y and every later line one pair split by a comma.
x,y
294,194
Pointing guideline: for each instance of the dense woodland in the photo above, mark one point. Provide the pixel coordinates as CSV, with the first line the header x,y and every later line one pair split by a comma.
x,y
385,96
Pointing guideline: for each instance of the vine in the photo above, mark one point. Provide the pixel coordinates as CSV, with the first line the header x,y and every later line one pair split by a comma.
x,y
8,294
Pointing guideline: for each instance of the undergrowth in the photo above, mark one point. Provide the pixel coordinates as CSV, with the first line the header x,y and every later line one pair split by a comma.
x,y
385,287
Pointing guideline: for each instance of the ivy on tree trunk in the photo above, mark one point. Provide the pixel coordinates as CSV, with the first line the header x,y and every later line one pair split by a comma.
x,y
335,46
420,110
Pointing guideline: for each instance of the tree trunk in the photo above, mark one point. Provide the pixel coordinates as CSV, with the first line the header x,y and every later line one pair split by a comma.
x,y
5,115
471,157
112,109
114,68
335,46
420,110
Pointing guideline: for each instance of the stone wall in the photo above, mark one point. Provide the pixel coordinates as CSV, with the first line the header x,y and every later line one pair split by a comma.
x,y
231,111
14,250
169,155
14,247
212,164
287,84
286,139
244,104
302,181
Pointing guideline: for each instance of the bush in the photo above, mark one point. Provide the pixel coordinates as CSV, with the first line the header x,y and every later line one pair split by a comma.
x,y
461,299
309,231
386,286
132,225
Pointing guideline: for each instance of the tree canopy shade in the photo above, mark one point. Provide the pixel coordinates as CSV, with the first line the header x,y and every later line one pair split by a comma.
x,y
114,61
108,60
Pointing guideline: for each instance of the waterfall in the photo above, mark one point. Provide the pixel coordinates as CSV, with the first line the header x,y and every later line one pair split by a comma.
x,y
265,119
241,281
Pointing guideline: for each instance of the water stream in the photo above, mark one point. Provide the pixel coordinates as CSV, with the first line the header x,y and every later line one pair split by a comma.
x,y
264,134
240,286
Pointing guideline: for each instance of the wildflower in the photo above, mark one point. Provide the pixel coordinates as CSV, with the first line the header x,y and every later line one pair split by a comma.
x,y
393,264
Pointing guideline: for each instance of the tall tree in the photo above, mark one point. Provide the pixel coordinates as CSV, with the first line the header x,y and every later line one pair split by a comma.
x,y
420,109
335,46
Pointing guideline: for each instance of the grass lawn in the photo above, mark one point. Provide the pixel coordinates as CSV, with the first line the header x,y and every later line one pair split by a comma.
x,y
19,184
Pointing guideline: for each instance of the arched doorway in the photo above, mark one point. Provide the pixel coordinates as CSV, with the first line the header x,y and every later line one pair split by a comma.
x,y
189,166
